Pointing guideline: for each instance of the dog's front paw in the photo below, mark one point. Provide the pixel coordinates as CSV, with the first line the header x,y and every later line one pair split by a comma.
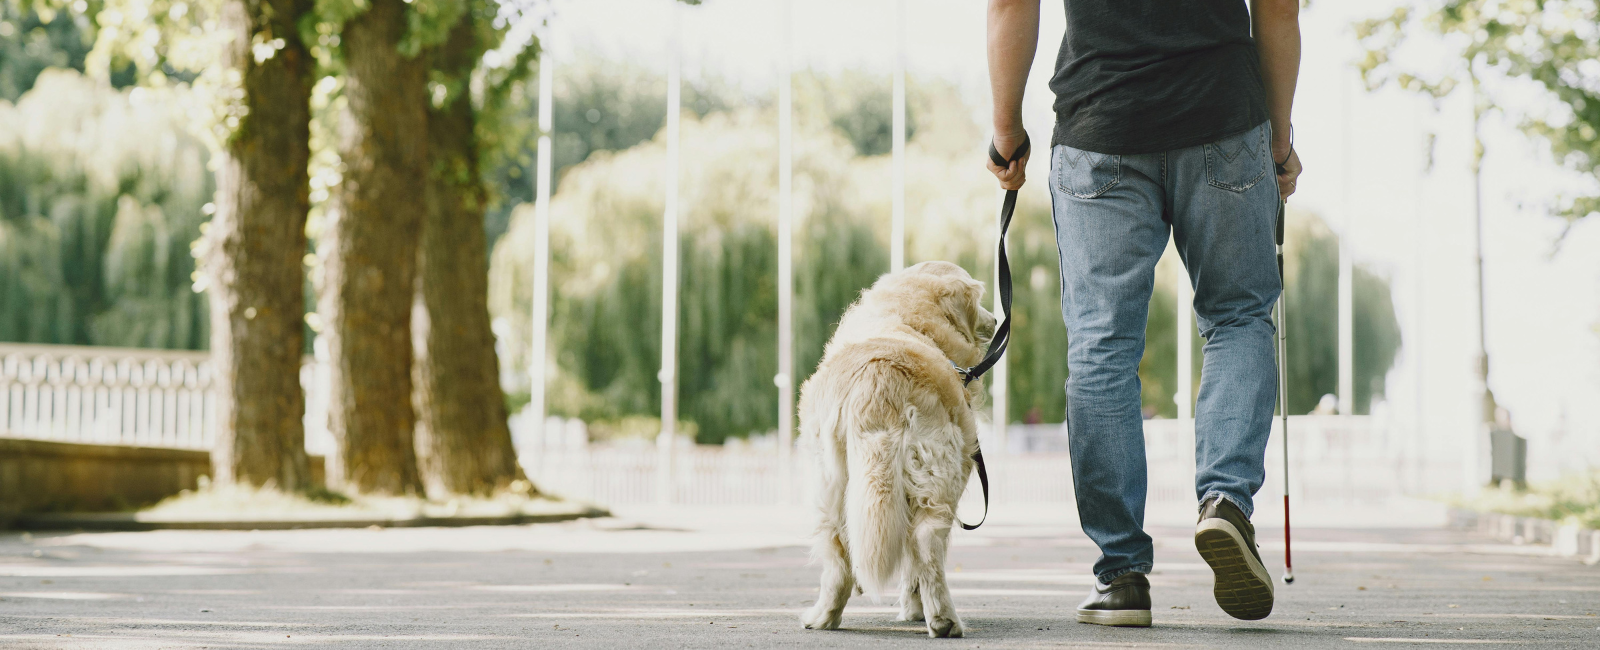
x,y
940,627
820,618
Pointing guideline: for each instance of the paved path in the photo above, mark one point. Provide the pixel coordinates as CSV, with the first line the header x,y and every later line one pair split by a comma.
x,y
736,578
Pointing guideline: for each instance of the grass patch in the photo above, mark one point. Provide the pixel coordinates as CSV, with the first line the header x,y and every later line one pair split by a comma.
x,y
1574,498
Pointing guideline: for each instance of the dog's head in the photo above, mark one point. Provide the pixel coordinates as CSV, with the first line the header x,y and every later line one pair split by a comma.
x,y
940,301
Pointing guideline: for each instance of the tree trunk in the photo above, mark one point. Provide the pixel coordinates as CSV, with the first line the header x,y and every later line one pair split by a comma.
x,y
369,267
463,443
255,245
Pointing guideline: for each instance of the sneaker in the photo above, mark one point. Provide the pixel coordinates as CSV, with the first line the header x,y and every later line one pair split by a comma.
x,y
1227,541
1123,603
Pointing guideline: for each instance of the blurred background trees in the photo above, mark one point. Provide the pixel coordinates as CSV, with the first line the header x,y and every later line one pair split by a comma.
x,y
606,253
101,194
104,188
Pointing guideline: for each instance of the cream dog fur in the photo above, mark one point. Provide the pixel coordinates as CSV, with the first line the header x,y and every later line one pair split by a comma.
x,y
894,433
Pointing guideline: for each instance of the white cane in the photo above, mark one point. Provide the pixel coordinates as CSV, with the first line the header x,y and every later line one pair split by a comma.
x,y
1283,394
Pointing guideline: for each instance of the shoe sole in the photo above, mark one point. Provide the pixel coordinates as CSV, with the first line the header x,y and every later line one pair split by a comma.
x,y
1115,617
1243,587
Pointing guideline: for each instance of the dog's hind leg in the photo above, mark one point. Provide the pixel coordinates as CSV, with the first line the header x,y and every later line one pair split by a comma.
x,y
837,583
829,549
930,544
910,599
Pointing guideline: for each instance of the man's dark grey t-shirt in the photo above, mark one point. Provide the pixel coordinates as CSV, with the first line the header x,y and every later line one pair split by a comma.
x,y
1141,76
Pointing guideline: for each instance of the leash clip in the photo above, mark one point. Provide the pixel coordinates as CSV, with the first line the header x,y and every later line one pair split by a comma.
x,y
964,373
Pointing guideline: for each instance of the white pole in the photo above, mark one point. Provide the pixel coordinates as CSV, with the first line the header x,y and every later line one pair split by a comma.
x,y
1415,353
998,391
1482,460
785,378
1185,396
537,361
669,279
1347,394
897,229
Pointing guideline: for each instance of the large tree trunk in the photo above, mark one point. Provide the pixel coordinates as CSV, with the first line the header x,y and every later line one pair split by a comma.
x,y
369,268
255,245
463,443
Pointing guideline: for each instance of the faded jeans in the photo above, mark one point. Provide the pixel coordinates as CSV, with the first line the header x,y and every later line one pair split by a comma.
x,y
1112,216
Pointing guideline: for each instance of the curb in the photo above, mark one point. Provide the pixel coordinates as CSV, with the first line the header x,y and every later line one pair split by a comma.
x,y
133,521
1566,540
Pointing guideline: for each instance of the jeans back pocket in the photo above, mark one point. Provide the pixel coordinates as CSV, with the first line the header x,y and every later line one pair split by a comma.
x,y
1236,163
1085,174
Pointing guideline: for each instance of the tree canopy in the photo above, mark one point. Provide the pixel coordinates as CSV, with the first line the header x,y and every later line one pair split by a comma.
x,y
1553,43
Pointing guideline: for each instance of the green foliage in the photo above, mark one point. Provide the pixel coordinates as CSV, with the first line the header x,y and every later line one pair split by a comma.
x,y
1554,43
155,42
1158,369
1037,357
602,105
607,362
30,42
606,256
1574,498
100,195
606,250
860,106
598,105
1311,255
1312,266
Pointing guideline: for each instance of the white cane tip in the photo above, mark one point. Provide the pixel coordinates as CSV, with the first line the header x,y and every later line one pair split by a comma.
x,y
1288,577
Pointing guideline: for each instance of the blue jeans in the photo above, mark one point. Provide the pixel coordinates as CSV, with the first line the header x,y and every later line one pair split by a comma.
x,y
1112,218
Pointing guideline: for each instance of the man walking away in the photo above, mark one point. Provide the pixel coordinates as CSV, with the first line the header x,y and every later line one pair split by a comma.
x,y
1170,115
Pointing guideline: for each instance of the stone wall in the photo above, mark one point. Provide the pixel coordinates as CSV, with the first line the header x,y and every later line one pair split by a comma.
x,y
45,476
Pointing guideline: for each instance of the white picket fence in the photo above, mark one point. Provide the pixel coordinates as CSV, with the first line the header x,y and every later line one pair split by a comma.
x,y
154,398
125,396
1337,459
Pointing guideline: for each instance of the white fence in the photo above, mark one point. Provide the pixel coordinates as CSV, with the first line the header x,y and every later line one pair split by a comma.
x,y
1336,459
152,398
125,396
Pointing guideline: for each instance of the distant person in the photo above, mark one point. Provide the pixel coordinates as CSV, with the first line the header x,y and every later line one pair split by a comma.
x,y
1170,115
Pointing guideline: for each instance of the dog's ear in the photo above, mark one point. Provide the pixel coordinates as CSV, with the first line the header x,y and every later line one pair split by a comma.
x,y
964,307
986,321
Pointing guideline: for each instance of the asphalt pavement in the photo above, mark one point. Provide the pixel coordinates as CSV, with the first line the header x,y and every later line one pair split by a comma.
x,y
738,577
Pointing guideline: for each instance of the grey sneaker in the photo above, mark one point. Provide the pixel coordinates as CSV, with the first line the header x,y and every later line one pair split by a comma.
x,y
1123,603
1227,541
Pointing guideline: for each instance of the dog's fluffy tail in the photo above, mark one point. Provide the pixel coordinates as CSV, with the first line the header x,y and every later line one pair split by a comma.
x,y
877,517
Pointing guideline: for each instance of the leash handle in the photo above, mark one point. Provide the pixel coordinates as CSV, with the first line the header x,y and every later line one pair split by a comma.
x,y
1002,334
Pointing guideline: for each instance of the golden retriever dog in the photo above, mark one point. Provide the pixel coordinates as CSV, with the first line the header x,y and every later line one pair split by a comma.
x,y
894,433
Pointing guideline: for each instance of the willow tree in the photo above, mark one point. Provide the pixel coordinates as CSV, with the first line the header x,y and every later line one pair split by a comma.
x,y
463,444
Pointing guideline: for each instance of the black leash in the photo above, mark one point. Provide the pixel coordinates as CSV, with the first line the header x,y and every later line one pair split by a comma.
x,y
1002,334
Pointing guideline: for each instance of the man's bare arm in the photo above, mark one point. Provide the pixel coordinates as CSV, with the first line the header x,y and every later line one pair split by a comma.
x,y
1013,39
1276,25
